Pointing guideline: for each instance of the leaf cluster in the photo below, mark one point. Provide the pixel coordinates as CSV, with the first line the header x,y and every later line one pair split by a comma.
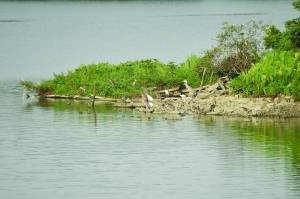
x,y
278,73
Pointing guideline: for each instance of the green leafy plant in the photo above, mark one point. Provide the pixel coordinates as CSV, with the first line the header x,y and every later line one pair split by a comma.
x,y
277,73
277,40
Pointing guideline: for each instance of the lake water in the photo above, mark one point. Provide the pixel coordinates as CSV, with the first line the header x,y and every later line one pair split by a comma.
x,y
67,150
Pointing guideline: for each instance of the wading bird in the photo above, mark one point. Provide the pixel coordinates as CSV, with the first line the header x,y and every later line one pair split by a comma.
x,y
192,93
148,100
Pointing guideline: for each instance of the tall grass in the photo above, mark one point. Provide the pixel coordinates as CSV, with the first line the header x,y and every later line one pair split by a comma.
x,y
124,79
277,73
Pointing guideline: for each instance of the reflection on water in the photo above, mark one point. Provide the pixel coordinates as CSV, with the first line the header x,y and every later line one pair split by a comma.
x,y
274,139
82,109
57,149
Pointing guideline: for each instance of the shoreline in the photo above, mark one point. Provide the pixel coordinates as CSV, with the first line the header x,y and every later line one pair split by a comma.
x,y
222,105
226,105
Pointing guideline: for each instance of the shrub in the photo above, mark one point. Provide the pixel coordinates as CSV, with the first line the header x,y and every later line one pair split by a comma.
x,y
277,40
277,73
289,39
238,47
293,29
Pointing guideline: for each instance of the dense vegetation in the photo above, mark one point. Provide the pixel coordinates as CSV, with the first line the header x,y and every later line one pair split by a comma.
x,y
125,79
277,73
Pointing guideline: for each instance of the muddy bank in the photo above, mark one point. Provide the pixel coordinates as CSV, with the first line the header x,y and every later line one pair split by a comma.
x,y
230,106
122,103
214,102
211,105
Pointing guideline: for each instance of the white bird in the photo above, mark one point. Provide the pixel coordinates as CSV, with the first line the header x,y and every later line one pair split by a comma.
x,y
192,93
167,93
147,99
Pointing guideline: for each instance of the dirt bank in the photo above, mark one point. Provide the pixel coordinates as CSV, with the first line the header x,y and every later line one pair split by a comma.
x,y
211,100
229,105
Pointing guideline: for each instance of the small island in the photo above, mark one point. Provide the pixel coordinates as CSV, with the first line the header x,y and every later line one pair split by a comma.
x,y
254,70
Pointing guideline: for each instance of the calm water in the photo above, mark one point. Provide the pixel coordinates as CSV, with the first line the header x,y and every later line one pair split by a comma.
x,y
66,150
40,38
60,150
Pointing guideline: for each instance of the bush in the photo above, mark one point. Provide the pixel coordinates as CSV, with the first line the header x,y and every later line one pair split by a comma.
x,y
278,40
293,29
238,47
277,73
289,39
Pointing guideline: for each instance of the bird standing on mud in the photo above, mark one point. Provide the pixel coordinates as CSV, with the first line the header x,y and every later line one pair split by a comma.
x,y
148,100
192,93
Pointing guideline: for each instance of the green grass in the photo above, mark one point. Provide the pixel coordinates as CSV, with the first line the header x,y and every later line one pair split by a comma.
x,y
116,80
277,73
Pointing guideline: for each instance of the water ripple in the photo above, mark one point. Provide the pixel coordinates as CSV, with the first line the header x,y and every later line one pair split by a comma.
x,y
60,150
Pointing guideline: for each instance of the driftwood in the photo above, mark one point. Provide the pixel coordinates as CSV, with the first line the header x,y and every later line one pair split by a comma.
x,y
203,92
219,87
77,97
176,92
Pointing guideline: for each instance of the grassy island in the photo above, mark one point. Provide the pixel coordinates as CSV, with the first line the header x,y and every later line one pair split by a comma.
x,y
125,79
